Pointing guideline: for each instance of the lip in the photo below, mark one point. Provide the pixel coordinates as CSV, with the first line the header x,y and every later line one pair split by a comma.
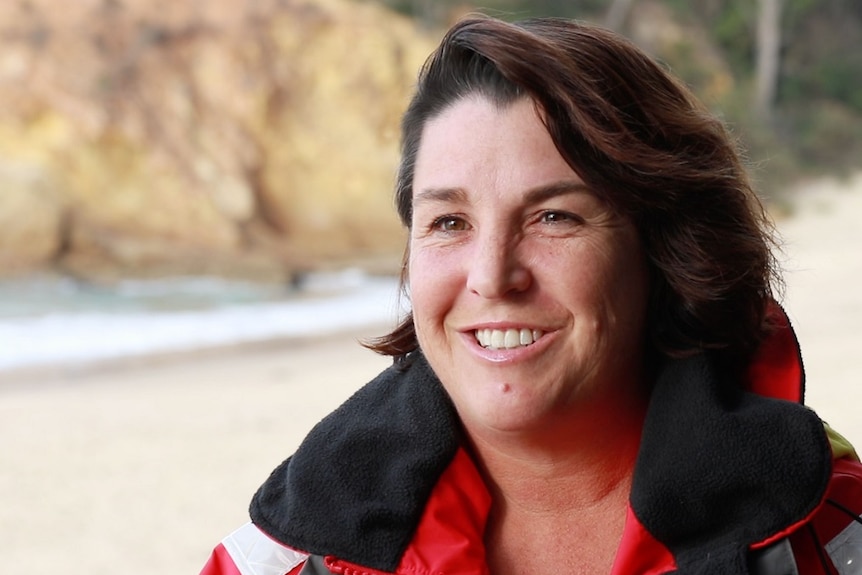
x,y
513,355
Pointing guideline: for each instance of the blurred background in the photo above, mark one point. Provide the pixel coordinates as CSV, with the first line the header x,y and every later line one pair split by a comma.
x,y
161,157
178,176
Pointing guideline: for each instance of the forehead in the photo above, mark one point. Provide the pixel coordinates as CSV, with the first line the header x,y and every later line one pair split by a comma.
x,y
478,146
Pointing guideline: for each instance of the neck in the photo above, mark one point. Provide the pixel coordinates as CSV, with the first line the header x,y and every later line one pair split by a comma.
x,y
574,464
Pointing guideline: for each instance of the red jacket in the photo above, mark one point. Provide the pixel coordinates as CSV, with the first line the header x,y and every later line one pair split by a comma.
x,y
728,481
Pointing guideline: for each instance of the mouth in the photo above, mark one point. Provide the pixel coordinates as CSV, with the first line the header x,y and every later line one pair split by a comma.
x,y
507,338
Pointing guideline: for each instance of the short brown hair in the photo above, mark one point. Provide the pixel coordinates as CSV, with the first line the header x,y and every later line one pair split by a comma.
x,y
644,144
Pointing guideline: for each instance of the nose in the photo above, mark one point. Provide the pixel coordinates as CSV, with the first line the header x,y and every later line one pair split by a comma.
x,y
497,269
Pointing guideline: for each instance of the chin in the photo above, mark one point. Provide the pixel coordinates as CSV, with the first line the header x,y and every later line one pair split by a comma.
x,y
503,408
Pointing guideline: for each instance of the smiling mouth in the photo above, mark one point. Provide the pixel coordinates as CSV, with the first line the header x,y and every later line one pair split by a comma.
x,y
507,338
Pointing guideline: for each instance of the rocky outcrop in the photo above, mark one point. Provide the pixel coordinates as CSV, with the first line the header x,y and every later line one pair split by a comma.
x,y
225,136
31,218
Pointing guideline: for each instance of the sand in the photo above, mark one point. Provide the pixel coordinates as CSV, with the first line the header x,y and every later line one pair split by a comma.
x,y
823,273
143,466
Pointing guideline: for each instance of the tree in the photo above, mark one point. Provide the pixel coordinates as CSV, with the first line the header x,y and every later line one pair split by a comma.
x,y
768,56
618,12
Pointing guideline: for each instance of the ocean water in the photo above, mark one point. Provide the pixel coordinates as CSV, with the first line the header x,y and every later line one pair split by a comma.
x,y
55,320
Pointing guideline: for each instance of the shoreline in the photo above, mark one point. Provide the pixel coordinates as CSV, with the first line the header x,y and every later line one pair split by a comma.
x,y
60,373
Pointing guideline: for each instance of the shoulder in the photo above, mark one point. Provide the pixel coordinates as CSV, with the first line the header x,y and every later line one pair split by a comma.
x,y
250,551
829,541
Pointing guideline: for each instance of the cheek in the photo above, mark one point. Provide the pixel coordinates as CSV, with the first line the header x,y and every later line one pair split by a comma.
x,y
607,278
432,286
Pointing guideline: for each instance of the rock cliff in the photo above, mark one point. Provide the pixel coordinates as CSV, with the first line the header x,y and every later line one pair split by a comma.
x,y
142,137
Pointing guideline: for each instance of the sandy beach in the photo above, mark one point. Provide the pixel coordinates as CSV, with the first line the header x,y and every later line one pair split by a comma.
x,y
823,272
144,465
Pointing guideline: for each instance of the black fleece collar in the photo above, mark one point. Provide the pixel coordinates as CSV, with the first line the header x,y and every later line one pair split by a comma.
x,y
717,471
358,484
720,469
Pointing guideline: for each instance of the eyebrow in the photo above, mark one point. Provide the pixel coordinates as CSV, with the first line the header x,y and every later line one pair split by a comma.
x,y
554,190
533,196
440,195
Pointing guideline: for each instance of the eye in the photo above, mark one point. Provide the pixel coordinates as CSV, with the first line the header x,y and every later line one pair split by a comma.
x,y
555,217
450,224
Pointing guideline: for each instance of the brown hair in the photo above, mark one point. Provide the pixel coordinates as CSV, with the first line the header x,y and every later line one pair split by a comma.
x,y
643,143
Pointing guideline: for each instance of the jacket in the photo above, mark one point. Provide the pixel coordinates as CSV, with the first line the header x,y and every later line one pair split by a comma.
x,y
729,480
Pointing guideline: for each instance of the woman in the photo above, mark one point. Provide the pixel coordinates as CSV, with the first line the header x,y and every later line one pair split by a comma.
x,y
594,377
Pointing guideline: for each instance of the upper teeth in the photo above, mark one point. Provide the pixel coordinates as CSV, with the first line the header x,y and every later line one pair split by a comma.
x,y
506,338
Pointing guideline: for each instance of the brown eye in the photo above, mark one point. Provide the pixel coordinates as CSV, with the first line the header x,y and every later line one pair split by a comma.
x,y
450,224
553,217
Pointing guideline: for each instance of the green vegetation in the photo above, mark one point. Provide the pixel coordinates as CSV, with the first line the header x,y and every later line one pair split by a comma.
x,y
815,122
816,125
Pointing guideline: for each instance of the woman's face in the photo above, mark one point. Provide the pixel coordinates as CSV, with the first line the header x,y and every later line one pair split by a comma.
x,y
529,295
